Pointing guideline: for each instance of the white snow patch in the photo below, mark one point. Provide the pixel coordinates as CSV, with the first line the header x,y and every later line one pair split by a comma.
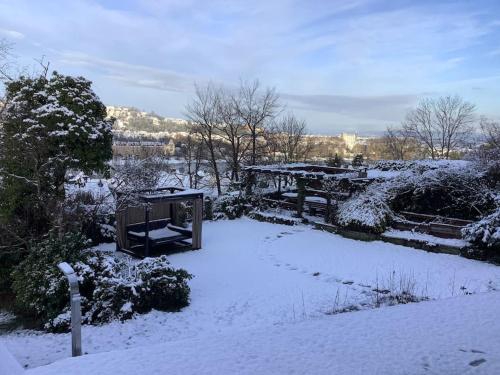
x,y
427,238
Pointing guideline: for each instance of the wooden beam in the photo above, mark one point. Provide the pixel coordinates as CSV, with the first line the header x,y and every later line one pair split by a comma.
x,y
197,223
146,231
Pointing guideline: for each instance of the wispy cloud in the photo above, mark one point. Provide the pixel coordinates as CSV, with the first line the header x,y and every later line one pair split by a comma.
x,y
133,74
357,59
11,34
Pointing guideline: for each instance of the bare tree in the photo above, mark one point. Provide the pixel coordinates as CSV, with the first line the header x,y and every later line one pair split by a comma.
x,y
289,138
454,118
255,108
490,149
491,131
442,124
5,76
134,174
272,145
232,130
398,144
193,154
5,63
203,112
420,125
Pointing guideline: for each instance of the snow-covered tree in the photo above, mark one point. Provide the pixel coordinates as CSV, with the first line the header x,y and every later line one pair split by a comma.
x,y
49,125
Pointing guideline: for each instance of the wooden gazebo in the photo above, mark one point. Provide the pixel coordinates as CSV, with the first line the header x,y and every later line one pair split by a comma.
x,y
148,221
309,189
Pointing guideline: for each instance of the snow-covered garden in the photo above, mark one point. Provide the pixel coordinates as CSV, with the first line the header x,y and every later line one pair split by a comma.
x,y
266,278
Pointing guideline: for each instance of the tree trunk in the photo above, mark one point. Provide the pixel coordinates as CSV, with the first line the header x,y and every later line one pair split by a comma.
x,y
215,168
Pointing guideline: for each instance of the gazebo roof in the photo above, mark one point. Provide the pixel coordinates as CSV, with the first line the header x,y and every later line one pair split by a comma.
x,y
304,170
166,194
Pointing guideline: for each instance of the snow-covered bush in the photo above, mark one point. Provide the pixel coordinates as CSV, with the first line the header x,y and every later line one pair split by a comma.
x,y
163,287
416,165
118,290
110,287
232,205
41,290
485,235
366,211
445,190
92,215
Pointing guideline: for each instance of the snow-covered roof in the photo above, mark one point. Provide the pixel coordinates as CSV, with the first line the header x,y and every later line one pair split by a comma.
x,y
306,170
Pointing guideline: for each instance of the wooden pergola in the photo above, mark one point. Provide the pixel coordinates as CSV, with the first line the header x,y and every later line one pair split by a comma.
x,y
308,191
310,194
148,220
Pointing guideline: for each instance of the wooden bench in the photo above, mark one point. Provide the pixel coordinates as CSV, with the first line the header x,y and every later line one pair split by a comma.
x,y
432,224
157,233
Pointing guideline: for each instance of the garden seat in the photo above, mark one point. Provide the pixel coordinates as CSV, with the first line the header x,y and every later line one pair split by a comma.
x,y
160,233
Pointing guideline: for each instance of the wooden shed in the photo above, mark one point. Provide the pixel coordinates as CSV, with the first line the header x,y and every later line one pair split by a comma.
x,y
148,221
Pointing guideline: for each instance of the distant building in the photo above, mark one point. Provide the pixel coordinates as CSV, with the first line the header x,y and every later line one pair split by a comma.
x,y
169,148
349,140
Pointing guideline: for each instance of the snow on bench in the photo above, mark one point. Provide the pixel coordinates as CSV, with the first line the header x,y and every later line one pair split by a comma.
x,y
157,234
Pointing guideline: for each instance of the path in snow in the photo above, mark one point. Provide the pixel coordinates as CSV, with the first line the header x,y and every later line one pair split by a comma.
x,y
252,274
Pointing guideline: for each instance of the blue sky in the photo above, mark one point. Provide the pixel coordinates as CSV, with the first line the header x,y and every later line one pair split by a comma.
x,y
352,65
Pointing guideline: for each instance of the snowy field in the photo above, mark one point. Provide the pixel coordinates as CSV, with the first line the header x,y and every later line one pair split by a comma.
x,y
253,277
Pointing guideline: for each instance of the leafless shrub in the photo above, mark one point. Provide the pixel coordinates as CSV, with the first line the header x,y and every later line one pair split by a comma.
x,y
395,289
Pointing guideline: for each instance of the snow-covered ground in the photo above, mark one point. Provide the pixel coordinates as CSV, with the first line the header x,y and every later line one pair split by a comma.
x,y
254,278
447,337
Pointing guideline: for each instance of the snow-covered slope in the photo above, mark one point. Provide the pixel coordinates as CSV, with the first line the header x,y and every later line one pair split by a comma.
x,y
454,336
255,276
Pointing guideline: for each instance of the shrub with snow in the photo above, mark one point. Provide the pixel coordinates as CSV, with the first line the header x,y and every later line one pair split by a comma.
x,y
233,205
416,165
447,191
92,215
40,288
366,211
444,190
110,287
485,235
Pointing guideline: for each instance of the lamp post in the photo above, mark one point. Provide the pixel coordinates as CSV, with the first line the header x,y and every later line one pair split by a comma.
x,y
76,312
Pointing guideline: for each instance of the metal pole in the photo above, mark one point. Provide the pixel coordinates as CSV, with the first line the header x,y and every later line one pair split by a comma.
x,y
76,311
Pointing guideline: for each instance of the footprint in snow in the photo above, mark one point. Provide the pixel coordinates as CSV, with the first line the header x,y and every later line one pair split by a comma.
x,y
365,285
477,362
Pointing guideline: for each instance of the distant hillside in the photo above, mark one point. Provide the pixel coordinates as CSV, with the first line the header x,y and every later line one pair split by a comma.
x,y
131,122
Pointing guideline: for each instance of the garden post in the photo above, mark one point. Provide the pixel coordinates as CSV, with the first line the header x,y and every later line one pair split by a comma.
x,y
197,223
76,311
301,192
